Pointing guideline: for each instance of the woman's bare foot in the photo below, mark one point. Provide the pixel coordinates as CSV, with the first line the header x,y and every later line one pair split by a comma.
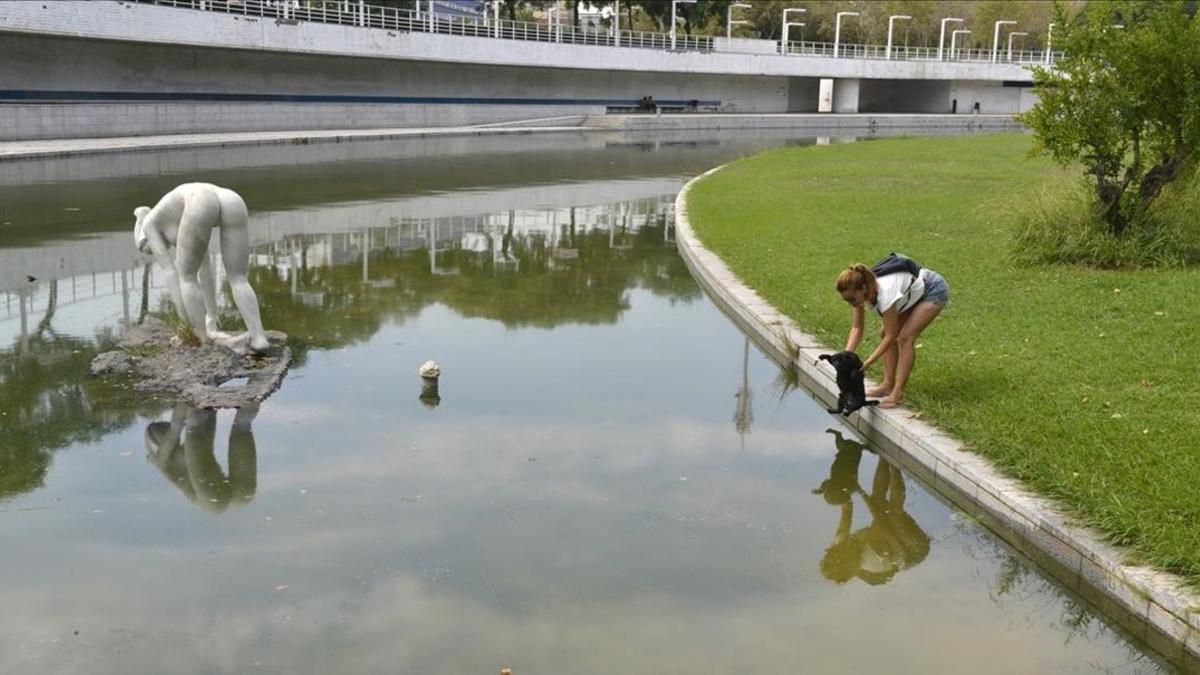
x,y
891,402
881,390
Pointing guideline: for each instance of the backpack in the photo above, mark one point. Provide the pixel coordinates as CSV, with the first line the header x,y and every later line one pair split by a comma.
x,y
894,263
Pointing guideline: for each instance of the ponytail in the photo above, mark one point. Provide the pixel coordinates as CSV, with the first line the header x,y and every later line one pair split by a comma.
x,y
857,277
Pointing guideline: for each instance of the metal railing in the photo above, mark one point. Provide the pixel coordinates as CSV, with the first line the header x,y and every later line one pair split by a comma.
x,y
905,53
352,13
356,13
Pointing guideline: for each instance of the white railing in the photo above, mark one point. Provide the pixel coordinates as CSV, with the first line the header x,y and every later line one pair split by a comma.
x,y
904,53
352,13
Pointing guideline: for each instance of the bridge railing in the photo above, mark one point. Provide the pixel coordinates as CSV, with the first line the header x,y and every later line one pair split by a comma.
x,y
905,53
392,18
351,13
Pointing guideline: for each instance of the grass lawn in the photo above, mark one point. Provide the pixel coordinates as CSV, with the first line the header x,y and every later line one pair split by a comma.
x,y
1082,383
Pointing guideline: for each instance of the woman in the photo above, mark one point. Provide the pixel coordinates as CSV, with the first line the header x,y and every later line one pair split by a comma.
x,y
908,304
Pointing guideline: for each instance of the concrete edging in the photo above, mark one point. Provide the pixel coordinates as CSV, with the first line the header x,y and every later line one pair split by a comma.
x,y
74,147
1153,606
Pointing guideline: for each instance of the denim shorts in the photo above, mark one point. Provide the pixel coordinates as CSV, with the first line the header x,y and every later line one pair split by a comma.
x,y
937,290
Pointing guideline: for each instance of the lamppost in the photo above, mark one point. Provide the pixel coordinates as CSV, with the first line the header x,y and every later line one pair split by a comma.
x,y
1010,37
553,13
617,23
673,6
942,35
496,15
798,10
729,22
891,20
954,38
837,30
1049,35
996,37
801,24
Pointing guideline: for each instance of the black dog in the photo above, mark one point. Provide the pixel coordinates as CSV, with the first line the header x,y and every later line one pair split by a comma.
x,y
852,394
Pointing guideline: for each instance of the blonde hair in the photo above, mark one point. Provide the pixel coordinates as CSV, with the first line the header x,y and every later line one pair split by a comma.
x,y
857,277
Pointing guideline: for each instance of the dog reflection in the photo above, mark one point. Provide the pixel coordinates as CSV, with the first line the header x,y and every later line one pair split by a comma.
x,y
183,450
891,542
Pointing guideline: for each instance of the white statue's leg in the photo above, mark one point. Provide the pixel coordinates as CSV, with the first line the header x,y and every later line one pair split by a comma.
x,y
235,254
243,455
195,230
212,325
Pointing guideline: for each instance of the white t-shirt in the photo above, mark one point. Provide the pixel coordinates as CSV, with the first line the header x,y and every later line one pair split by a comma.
x,y
900,289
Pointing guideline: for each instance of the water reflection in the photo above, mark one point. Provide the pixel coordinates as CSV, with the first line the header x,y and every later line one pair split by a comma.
x,y
182,450
891,542
547,505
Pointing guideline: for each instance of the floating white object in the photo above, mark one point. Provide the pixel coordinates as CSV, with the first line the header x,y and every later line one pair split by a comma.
x,y
430,370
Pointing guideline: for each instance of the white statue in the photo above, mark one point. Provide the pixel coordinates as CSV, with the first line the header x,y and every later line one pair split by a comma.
x,y
184,219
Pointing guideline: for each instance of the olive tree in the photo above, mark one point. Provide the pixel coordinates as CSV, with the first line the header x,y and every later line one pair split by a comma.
x,y
1124,101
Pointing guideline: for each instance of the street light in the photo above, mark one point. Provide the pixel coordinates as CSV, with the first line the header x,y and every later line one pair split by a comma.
x,y
798,10
954,38
673,4
837,30
996,37
729,18
1049,34
794,23
942,35
553,13
617,23
891,20
1010,37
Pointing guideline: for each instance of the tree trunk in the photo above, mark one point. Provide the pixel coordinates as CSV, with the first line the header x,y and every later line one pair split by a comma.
x,y
1110,200
1159,176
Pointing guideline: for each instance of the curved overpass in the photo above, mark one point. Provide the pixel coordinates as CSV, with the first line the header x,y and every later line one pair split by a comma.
x,y
121,68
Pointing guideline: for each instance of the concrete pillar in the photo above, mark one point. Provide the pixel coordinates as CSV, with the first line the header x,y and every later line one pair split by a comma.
x,y
845,96
825,96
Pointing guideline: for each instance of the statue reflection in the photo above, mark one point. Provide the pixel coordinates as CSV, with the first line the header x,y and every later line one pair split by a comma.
x,y
891,542
183,450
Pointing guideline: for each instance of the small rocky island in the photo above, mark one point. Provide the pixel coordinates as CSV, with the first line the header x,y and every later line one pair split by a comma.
x,y
205,376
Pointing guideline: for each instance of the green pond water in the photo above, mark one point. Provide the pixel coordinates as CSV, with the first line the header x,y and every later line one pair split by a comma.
x,y
612,478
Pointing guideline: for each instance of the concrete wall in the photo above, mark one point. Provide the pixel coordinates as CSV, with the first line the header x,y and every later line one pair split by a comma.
x,y
141,88
136,22
993,97
904,96
803,94
104,68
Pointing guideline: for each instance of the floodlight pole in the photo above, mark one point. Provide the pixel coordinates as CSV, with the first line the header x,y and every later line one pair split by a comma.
x,y
783,45
617,23
1010,37
837,30
891,20
674,3
942,35
1049,35
729,18
954,38
996,37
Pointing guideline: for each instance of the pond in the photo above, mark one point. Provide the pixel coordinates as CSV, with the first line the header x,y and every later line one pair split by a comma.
x,y
611,478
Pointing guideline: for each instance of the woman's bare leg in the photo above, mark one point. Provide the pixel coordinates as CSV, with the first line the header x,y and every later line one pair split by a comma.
x,y
918,319
890,358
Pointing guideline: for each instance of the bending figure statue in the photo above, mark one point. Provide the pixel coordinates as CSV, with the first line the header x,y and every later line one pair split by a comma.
x,y
184,220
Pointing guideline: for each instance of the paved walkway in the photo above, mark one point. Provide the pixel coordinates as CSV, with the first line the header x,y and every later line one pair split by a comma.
x,y
15,150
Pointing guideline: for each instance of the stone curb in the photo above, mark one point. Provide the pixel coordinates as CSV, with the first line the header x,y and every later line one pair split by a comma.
x,y
1153,606
21,150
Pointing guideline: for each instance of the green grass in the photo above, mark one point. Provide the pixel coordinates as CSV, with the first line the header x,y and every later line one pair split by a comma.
x,y
1078,381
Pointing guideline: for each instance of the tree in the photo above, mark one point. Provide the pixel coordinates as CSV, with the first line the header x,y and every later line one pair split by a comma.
x,y
1124,102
